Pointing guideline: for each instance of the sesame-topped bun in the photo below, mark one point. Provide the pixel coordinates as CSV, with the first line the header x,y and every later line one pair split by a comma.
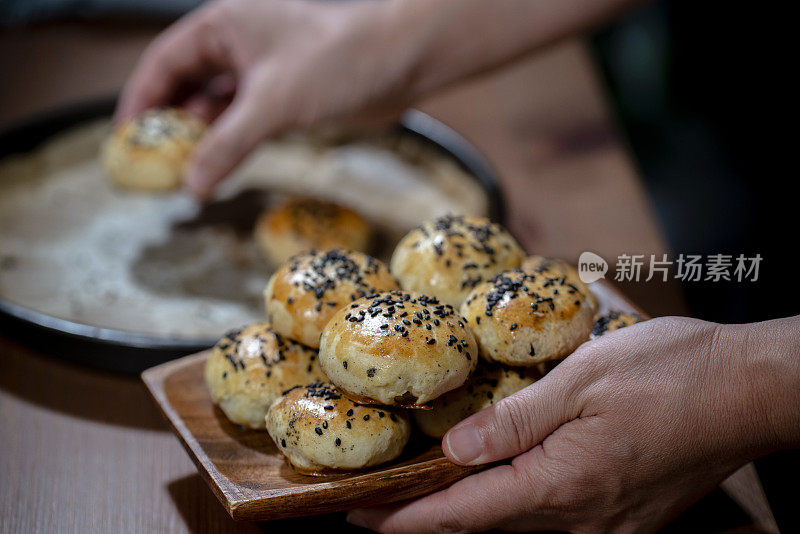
x,y
148,152
449,256
489,384
538,264
319,430
303,224
249,368
397,349
305,292
525,318
613,320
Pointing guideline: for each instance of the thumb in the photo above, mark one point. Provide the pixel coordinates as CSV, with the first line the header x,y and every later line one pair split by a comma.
x,y
228,141
514,425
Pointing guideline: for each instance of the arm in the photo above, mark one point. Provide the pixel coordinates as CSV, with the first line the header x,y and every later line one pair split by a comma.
x,y
260,67
623,435
769,380
456,39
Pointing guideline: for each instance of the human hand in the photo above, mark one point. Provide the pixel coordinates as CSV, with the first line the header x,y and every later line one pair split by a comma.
x,y
261,67
266,66
621,436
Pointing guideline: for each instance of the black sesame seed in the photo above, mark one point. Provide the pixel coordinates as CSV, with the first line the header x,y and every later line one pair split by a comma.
x,y
350,413
338,442
366,417
283,443
318,430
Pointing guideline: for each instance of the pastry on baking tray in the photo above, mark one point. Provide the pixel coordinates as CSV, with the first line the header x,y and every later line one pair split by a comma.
x,y
613,320
303,224
304,293
249,368
523,318
537,264
449,256
320,430
397,349
489,384
149,152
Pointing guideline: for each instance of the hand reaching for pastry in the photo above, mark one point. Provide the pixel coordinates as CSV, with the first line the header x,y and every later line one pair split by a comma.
x,y
621,436
257,68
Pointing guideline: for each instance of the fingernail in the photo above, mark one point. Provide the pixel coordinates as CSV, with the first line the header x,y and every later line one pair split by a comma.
x,y
354,518
464,443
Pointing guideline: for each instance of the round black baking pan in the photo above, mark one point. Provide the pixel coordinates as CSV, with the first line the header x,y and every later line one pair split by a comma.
x,y
129,352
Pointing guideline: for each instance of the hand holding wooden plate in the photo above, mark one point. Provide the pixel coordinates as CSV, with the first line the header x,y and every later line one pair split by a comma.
x,y
248,473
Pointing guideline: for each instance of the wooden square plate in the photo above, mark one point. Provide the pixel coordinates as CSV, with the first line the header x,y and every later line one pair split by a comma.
x,y
248,474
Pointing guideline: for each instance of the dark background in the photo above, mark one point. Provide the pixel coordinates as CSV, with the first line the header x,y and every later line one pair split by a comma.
x,y
701,91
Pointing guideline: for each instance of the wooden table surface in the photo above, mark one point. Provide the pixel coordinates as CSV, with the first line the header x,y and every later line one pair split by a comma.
x,y
85,451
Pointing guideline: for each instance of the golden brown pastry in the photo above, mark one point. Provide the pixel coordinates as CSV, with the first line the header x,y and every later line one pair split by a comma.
x,y
397,349
320,430
304,224
538,264
489,384
149,152
305,292
523,318
613,320
449,256
249,368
